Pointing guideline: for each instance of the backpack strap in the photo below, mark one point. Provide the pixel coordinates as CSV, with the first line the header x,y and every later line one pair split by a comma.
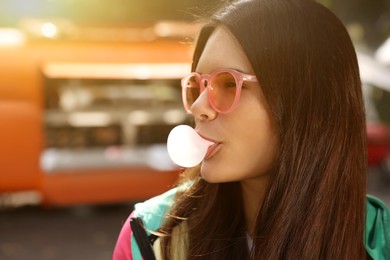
x,y
151,214
143,241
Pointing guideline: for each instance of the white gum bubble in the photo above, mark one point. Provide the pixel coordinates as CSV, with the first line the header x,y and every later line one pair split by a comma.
x,y
186,147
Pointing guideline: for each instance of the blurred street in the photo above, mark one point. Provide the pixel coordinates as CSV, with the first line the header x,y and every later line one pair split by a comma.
x,y
77,233
83,232
379,186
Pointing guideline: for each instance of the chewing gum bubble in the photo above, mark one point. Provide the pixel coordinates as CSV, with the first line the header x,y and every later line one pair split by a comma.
x,y
186,147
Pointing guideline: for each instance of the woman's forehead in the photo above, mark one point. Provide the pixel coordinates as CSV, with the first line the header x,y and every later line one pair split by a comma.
x,y
223,50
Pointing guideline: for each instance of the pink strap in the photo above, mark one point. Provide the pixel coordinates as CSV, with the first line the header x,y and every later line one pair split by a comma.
x,y
122,249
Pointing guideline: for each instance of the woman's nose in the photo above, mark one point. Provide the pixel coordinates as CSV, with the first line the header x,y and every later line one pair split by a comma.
x,y
201,108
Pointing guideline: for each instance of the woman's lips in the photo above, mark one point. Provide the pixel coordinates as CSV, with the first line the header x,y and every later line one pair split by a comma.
x,y
213,149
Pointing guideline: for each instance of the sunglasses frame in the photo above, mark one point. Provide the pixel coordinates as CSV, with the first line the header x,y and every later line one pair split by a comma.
x,y
238,76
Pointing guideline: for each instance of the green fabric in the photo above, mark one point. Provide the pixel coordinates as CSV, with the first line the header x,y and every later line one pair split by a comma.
x,y
377,236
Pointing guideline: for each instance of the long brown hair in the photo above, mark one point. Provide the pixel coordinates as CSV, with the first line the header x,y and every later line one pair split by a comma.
x,y
315,203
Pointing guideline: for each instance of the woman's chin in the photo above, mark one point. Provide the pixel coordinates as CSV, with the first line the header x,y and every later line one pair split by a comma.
x,y
207,174
212,174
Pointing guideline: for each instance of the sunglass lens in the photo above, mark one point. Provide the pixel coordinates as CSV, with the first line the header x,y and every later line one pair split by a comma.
x,y
223,91
192,90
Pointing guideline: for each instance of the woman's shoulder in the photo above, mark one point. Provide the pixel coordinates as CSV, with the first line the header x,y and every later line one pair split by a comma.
x,y
153,210
377,235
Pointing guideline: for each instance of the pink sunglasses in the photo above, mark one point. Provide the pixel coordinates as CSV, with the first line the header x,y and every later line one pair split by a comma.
x,y
224,88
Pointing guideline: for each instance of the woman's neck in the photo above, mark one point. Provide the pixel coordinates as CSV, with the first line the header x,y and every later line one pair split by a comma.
x,y
253,191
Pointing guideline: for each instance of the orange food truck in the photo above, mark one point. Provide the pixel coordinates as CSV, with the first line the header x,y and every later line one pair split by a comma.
x,y
85,111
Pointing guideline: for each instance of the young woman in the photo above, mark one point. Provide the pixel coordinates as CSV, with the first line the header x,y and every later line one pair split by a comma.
x,y
275,85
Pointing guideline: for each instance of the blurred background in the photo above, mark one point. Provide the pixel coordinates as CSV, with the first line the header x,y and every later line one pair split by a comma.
x,y
89,91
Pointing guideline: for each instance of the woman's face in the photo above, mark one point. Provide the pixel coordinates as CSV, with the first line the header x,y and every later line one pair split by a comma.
x,y
247,141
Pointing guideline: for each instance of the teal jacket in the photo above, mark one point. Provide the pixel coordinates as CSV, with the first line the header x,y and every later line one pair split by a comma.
x,y
377,233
